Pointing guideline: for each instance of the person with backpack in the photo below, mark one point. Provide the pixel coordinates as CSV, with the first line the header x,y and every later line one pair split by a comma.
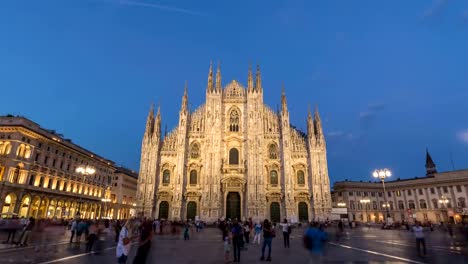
x,y
314,238
268,235
237,240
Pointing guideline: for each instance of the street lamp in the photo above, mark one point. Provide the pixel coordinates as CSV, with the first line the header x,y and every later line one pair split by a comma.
x,y
382,174
84,171
365,202
444,201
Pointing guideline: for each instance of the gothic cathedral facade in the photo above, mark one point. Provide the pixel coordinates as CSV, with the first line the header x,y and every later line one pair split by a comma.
x,y
234,157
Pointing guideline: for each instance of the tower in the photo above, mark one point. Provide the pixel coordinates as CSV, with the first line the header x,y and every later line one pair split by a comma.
x,y
430,165
147,179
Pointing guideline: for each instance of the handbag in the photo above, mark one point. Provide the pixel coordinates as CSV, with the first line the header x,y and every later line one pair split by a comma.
x,y
126,240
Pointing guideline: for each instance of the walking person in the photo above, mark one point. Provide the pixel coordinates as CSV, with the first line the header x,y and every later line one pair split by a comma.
x,y
314,238
419,235
92,236
144,244
117,229
286,228
247,232
123,244
258,233
227,248
186,232
237,240
27,231
73,228
268,235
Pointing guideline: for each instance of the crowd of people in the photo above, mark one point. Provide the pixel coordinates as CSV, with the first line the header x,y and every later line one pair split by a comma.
x,y
237,236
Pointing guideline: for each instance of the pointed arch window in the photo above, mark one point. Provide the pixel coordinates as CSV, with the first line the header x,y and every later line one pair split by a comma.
x,y
234,118
193,177
166,177
274,177
273,151
195,151
233,156
300,177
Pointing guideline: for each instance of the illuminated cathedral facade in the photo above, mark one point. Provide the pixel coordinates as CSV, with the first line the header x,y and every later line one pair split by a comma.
x,y
234,157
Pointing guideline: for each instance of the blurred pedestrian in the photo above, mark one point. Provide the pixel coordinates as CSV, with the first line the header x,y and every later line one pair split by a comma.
x,y
27,231
73,228
144,244
314,239
420,240
124,243
237,240
286,228
258,233
268,235
92,236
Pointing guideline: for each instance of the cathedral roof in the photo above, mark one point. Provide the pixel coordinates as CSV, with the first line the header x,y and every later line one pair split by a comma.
x,y
234,89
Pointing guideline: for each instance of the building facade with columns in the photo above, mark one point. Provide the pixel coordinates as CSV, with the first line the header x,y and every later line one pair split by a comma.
x,y
38,173
435,197
122,201
234,157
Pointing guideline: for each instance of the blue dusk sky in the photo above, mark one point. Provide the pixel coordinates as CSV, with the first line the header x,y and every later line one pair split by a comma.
x,y
390,78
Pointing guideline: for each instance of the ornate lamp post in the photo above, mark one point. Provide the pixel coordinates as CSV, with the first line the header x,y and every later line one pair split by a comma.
x,y
84,171
444,201
365,202
382,174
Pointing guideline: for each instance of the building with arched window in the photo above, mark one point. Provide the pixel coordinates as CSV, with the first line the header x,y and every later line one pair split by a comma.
x,y
234,157
38,175
418,198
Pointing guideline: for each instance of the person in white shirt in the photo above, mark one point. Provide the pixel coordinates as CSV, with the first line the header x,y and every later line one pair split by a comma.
x,y
419,235
124,244
286,227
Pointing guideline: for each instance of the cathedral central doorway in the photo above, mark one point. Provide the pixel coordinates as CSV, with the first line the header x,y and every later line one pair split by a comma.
x,y
275,215
191,210
163,210
233,203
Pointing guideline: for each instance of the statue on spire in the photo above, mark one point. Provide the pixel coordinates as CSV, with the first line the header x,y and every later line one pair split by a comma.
x,y
284,104
318,127
218,78
150,121
209,87
258,79
250,85
185,99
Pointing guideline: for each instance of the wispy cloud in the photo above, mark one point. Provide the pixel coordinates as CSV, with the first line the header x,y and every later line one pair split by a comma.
x,y
161,7
367,118
463,136
340,134
435,9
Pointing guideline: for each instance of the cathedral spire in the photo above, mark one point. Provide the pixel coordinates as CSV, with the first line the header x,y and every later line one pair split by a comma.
x,y
310,124
185,99
218,78
150,121
157,123
258,79
430,165
284,104
318,127
250,85
209,87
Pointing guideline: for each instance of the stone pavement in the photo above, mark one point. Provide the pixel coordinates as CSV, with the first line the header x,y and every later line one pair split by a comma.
x,y
357,246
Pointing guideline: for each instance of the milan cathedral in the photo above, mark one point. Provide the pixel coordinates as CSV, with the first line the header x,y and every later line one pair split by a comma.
x,y
234,157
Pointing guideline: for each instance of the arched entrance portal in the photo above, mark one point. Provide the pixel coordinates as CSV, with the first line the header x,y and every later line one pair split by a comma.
x,y
191,210
303,212
275,215
163,210
233,203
